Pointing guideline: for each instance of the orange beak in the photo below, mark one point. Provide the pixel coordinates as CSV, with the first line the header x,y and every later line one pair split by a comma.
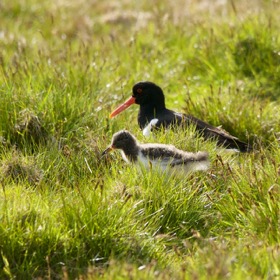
x,y
122,107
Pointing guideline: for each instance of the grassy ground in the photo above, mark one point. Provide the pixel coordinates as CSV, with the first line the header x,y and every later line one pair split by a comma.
x,y
66,212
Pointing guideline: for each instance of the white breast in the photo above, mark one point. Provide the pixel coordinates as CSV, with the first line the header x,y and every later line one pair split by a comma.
x,y
148,163
124,156
147,130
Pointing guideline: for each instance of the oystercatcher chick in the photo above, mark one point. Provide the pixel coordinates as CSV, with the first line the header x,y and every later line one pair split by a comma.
x,y
158,156
151,99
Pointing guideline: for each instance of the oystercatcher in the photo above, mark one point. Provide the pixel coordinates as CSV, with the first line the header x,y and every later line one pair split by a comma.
x,y
159,156
150,97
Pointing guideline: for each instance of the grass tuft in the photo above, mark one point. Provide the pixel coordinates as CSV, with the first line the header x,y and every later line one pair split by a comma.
x,y
18,168
29,130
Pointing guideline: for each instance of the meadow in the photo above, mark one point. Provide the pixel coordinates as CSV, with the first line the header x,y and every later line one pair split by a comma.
x,y
68,213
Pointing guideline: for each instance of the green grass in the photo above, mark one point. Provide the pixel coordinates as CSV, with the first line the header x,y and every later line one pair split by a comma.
x,y
68,213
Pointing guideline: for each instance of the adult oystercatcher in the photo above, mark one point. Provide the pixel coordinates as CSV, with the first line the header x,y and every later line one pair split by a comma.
x,y
150,97
159,156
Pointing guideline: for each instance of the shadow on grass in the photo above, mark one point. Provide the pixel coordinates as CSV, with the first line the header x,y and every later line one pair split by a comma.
x,y
259,62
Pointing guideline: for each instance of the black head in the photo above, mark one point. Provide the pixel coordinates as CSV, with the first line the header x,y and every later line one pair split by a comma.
x,y
148,93
123,140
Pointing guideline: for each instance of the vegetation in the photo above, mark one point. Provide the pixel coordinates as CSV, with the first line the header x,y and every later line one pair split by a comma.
x,y
68,213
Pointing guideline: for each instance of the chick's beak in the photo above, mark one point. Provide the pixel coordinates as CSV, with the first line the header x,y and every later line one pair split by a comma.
x,y
123,107
107,151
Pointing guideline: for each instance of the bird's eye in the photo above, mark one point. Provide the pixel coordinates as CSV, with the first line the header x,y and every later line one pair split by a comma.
x,y
139,90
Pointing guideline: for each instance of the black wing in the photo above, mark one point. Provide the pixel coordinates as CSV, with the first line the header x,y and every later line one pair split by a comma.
x,y
223,137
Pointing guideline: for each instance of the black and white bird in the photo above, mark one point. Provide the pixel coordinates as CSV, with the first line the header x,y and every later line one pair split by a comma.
x,y
151,99
157,156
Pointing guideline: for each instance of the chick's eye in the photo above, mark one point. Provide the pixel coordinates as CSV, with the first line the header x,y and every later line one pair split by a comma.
x,y
139,90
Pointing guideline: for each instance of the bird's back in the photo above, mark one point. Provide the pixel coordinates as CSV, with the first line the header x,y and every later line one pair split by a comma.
x,y
168,118
168,157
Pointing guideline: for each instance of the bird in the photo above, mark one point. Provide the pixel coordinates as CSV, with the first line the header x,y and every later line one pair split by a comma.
x,y
162,157
151,99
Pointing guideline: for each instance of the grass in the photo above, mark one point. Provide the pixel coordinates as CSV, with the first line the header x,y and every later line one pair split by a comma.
x,y
67,213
